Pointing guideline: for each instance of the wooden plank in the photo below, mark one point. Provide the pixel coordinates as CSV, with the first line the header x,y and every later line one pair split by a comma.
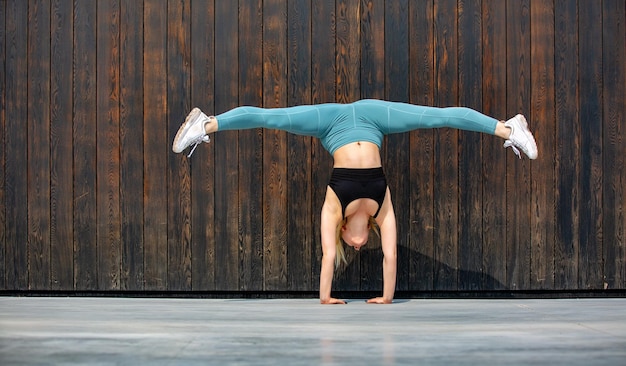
x,y
39,151
323,45
85,255
397,155
470,147
202,165
445,172
16,78
494,169
422,87
614,149
300,228
131,144
348,90
3,141
226,148
348,50
61,142
396,55
372,68
373,49
108,146
156,145
590,266
568,142
179,179
251,148
323,89
275,147
518,172
542,123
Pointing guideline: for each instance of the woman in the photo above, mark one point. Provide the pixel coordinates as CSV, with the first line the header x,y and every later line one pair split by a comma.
x,y
357,197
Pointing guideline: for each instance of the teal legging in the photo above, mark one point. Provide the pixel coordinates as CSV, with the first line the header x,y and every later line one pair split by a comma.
x,y
370,120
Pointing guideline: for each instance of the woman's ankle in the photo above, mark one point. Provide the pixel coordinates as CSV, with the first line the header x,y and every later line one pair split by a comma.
x,y
502,130
211,125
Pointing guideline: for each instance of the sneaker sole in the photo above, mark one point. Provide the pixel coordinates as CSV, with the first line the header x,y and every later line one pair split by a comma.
x,y
183,129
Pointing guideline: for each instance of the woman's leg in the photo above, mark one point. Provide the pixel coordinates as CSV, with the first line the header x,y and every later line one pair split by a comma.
x,y
301,120
403,117
394,117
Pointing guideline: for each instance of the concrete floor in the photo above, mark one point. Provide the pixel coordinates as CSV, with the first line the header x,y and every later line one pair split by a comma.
x,y
131,331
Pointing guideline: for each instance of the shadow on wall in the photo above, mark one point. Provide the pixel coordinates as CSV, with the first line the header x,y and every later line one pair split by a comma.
x,y
416,272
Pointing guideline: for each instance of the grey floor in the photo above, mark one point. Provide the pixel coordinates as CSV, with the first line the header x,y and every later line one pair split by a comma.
x,y
131,331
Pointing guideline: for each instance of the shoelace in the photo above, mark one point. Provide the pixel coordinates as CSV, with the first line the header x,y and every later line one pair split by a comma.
x,y
202,139
509,143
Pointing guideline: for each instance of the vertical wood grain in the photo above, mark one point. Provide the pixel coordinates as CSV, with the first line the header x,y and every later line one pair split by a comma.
x,y
61,142
323,45
179,182
495,210
226,149
275,147
108,145
541,122
3,159
373,49
179,176
445,172
614,150
156,145
518,171
16,79
568,191
299,189
38,122
348,50
422,88
84,149
131,144
203,164
591,271
251,147
470,147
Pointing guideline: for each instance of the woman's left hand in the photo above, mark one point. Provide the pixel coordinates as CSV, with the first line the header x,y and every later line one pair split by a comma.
x,y
378,300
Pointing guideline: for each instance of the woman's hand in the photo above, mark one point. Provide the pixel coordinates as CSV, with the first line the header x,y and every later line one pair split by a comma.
x,y
332,301
379,300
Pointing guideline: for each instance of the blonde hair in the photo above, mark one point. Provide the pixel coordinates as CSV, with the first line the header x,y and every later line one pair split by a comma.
x,y
340,253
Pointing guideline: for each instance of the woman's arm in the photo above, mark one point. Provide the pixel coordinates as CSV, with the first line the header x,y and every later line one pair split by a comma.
x,y
331,216
387,222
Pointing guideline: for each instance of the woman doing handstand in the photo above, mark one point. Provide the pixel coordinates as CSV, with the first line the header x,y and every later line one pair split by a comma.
x,y
357,196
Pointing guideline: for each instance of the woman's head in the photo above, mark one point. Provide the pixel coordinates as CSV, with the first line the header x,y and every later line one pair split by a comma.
x,y
354,233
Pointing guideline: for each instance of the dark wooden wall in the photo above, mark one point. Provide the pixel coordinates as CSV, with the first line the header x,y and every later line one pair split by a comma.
x,y
92,93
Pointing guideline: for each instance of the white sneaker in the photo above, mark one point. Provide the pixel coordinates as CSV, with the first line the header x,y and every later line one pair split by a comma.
x,y
521,138
191,132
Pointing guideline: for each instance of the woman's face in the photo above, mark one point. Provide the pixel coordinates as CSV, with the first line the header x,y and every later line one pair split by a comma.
x,y
355,232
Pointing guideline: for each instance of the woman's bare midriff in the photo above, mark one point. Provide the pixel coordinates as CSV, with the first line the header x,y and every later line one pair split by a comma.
x,y
357,155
